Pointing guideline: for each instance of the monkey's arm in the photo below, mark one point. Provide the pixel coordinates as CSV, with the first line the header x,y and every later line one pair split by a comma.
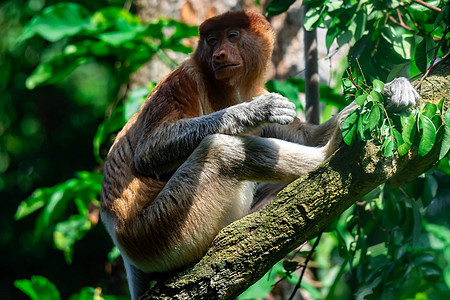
x,y
163,150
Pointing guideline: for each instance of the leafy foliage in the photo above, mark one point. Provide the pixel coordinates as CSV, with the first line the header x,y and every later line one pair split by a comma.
x,y
38,288
108,33
120,115
396,131
83,191
388,36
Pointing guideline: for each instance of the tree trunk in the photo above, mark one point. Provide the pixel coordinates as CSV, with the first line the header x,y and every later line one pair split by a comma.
x,y
245,250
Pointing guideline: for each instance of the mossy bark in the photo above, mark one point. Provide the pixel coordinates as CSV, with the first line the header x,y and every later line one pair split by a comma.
x,y
245,250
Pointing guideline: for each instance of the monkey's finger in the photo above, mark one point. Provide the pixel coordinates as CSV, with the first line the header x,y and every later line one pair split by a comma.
x,y
282,120
283,104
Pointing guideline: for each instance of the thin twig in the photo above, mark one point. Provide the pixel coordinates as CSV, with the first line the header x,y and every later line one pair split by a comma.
x,y
308,258
399,15
362,73
434,66
411,17
401,24
352,81
447,29
428,5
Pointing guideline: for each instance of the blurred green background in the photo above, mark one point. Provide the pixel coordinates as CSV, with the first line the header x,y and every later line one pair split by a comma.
x,y
64,72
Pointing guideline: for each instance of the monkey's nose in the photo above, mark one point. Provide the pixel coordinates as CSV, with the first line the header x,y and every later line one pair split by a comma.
x,y
220,57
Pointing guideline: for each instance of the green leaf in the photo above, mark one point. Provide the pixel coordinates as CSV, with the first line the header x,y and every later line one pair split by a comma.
x,y
83,190
378,85
408,222
417,222
429,110
115,19
313,17
440,235
408,127
376,96
58,21
276,7
428,136
360,99
290,265
343,251
400,41
408,124
38,288
431,271
331,96
441,104
134,101
374,117
118,119
119,37
91,293
431,46
391,215
440,17
33,203
70,231
430,190
337,280
263,286
182,30
398,139
403,148
54,70
361,128
349,127
445,147
113,254
331,34
358,26
344,38
388,146
113,124
396,71
420,56
122,26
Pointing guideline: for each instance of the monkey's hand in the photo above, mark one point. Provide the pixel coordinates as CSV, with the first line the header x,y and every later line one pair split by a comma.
x,y
272,108
399,95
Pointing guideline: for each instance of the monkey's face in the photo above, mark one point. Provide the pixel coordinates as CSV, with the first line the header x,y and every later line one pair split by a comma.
x,y
226,60
235,48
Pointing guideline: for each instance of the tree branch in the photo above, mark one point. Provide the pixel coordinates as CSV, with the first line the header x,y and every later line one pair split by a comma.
x,y
427,5
245,250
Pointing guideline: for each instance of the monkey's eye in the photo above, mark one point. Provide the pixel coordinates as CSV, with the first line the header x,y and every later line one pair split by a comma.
x,y
212,40
233,34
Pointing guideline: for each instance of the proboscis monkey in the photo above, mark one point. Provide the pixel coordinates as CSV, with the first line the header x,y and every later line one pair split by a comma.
x,y
186,164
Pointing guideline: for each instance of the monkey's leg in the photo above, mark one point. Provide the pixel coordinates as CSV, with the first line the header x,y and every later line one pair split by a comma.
x,y
138,281
213,188
250,158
